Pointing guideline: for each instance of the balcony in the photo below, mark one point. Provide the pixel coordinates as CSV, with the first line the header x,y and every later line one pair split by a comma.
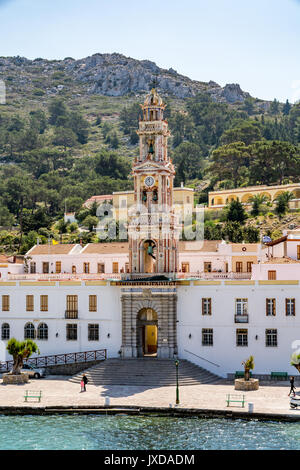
x,y
71,314
241,318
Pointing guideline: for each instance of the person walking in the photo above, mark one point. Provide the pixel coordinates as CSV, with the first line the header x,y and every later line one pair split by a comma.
x,y
293,388
85,381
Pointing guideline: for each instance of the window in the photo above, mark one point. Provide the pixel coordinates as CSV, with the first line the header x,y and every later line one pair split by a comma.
x,y
249,266
241,337
239,267
241,306
101,268
73,269
29,331
271,275
185,267
45,268
86,268
115,268
5,303
93,303
58,267
29,303
271,338
290,307
126,267
71,332
298,251
5,331
93,332
207,267
42,331
32,267
206,306
72,306
44,303
207,337
270,307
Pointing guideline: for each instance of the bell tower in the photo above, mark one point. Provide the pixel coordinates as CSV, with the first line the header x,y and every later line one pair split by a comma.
x,y
153,229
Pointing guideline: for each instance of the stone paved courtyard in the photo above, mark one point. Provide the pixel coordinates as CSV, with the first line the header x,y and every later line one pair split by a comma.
x,y
59,391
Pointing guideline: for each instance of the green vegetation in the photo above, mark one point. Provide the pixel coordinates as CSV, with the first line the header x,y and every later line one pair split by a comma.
x,y
58,148
21,350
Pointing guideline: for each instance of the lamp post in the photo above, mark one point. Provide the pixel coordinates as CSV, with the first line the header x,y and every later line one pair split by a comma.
x,y
177,385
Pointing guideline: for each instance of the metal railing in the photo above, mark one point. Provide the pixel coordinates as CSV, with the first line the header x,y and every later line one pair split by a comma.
x,y
213,275
203,359
117,276
241,318
63,277
68,358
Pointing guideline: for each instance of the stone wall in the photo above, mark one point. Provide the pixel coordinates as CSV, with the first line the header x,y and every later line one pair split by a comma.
x,y
70,369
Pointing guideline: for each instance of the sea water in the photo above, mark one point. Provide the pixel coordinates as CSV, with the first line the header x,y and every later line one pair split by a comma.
x,y
99,432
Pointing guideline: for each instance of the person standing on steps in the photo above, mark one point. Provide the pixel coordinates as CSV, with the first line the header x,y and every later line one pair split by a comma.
x,y
85,381
293,388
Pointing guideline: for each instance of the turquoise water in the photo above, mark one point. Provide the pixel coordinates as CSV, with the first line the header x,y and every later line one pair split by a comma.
x,y
98,432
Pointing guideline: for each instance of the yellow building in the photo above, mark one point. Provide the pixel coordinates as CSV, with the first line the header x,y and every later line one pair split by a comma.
x,y
122,200
219,199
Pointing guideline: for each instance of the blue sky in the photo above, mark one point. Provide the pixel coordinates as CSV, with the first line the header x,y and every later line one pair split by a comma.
x,y
254,43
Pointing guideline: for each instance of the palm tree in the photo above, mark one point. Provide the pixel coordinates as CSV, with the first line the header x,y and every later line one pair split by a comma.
x,y
248,365
257,201
21,350
282,202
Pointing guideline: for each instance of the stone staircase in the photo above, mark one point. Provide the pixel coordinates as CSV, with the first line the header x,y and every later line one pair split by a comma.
x,y
146,372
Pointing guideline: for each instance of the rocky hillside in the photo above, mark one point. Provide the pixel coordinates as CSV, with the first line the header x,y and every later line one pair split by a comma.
x,y
110,75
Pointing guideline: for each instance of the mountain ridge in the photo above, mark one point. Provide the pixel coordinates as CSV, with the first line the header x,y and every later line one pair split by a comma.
x,y
117,75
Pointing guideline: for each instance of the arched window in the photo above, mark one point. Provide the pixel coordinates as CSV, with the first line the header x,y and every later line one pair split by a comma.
x,y
29,331
5,331
42,331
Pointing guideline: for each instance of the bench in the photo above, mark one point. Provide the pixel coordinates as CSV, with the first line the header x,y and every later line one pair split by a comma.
x,y
33,394
240,374
279,375
233,398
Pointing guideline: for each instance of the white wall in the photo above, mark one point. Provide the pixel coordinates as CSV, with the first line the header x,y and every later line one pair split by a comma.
x,y
224,351
108,316
67,261
284,272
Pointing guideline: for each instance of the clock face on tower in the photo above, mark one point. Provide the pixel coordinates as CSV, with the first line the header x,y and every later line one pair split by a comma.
x,y
149,181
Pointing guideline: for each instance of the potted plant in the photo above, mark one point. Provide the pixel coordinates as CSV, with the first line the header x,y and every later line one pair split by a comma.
x,y
248,366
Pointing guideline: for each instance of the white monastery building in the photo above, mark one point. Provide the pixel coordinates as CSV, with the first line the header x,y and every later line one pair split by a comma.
x,y
210,302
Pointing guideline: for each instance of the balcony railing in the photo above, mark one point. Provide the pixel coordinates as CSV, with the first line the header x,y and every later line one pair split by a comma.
x,y
62,277
71,314
116,276
241,318
213,275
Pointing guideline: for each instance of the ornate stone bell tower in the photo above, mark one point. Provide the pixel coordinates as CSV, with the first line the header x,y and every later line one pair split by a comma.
x,y
153,230
149,303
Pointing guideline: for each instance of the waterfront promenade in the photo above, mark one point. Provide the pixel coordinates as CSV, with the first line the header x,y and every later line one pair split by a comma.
x,y
59,392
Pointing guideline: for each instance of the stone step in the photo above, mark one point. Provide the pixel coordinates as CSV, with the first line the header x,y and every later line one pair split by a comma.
x,y
147,372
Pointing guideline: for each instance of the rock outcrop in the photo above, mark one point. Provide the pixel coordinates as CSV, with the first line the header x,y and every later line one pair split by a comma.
x,y
115,75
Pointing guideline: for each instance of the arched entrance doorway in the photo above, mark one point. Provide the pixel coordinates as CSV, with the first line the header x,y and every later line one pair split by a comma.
x,y
147,332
